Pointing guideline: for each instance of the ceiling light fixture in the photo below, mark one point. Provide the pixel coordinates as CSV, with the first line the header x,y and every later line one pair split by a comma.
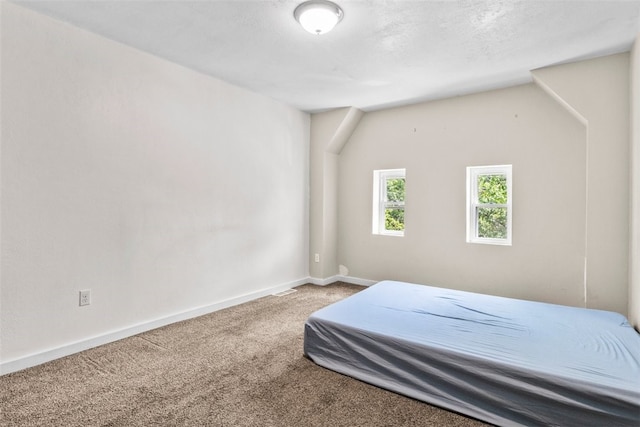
x,y
318,16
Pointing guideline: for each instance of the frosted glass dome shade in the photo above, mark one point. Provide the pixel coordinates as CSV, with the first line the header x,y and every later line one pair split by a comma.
x,y
318,16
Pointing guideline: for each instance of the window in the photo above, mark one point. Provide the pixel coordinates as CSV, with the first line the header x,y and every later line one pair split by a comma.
x,y
489,204
388,202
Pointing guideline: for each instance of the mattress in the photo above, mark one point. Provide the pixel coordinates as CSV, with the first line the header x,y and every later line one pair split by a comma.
x,y
500,360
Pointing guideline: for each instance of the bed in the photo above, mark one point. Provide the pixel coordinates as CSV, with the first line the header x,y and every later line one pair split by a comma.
x,y
504,361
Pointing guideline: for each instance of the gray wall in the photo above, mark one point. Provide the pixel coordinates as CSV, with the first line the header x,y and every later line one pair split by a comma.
x,y
567,137
160,189
597,92
435,142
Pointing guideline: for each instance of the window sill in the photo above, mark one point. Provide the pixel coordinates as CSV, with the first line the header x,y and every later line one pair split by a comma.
x,y
496,242
389,234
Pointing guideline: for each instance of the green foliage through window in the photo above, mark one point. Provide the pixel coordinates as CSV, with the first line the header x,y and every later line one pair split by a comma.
x,y
394,219
492,189
394,210
492,221
489,204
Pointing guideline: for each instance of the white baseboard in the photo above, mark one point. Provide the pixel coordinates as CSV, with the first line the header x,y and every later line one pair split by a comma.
x,y
323,282
35,359
340,278
357,280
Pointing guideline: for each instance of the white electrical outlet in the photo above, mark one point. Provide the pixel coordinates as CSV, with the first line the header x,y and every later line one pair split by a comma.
x,y
316,258
85,297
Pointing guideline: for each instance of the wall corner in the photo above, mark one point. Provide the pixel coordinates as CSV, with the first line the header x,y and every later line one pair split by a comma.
x,y
634,186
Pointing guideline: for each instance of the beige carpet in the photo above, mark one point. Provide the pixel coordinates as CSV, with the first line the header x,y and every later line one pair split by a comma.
x,y
242,366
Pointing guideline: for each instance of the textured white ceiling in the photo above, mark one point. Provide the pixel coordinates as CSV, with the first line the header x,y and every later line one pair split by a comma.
x,y
383,53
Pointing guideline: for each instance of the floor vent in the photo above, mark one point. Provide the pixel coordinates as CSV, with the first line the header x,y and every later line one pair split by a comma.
x,y
283,293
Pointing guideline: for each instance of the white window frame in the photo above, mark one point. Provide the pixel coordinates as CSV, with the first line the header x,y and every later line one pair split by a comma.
x,y
380,203
473,172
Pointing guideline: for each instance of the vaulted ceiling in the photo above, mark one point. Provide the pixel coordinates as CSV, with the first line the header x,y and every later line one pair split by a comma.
x,y
383,53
